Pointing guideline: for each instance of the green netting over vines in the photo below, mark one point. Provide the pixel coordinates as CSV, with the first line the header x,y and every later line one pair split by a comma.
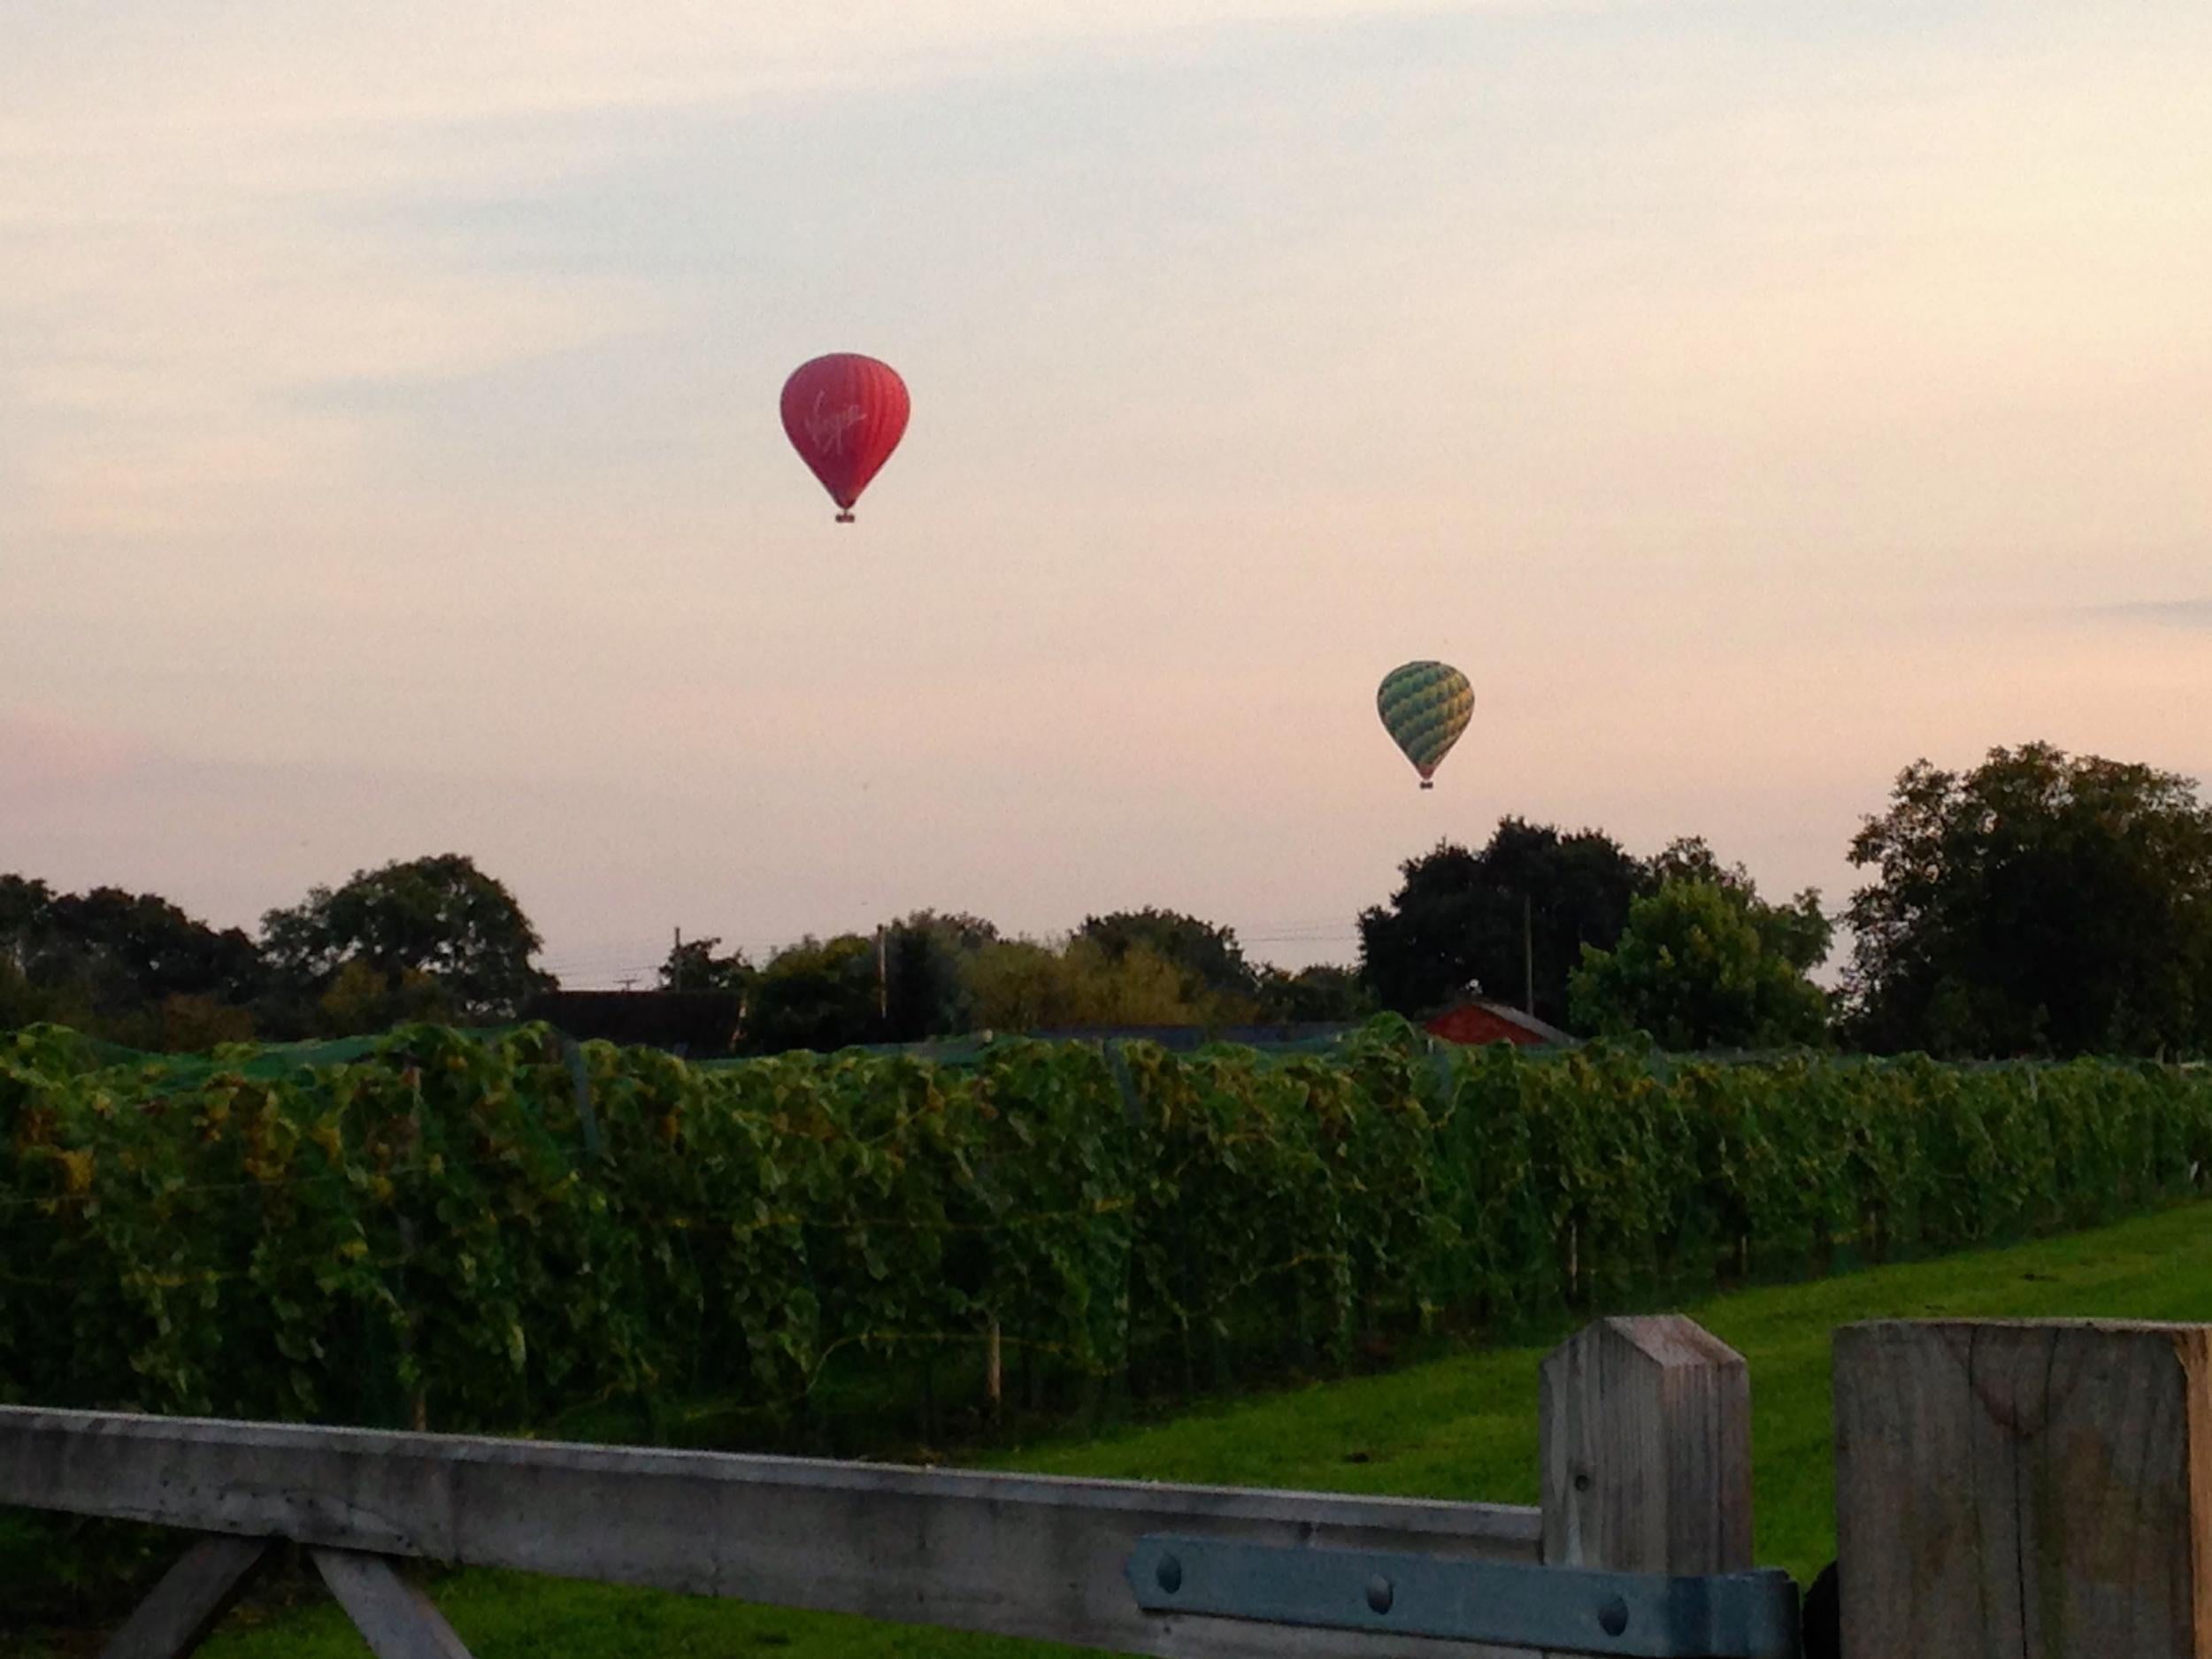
x,y
486,1230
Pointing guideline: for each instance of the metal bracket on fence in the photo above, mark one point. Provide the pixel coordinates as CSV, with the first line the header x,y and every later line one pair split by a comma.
x,y
1507,1604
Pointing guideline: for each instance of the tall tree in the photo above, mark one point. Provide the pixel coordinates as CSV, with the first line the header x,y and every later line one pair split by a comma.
x,y
130,966
1691,858
925,958
1320,994
1020,985
693,965
26,909
140,948
2039,903
1799,933
1518,912
439,919
819,994
1700,966
1208,952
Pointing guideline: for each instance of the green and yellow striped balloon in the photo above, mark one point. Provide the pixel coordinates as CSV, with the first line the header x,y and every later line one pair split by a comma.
x,y
1424,708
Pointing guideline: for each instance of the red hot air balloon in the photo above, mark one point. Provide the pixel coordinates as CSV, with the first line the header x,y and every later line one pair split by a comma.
x,y
844,414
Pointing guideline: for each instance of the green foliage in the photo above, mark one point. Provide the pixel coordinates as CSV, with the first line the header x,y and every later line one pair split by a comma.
x,y
693,966
1800,932
1020,985
24,1003
441,1227
194,1025
1315,995
1209,955
438,919
360,1001
1703,965
1514,915
132,966
907,984
821,994
2039,904
927,959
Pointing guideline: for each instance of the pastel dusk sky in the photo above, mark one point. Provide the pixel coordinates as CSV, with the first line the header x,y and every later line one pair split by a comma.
x,y
1752,397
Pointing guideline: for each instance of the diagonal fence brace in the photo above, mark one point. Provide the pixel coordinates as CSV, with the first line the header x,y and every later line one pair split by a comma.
x,y
190,1600
396,1620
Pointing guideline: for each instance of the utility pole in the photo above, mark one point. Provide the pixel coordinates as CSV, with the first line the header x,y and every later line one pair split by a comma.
x,y
1528,958
883,980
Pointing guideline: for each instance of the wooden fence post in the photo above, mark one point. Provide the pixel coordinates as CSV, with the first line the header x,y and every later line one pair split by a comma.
x,y
2040,1489
1646,1429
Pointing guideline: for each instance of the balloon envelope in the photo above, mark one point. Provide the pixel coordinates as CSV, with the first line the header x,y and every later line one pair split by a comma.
x,y
844,414
1424,707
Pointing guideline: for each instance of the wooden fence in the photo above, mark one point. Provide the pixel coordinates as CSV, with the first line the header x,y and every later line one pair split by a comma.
x,y
2003,1489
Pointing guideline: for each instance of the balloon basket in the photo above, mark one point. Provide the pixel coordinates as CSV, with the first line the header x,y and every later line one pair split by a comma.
x,y
844,517
1425,784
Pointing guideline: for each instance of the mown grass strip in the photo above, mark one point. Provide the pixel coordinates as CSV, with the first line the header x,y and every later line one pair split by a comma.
x,y
1463,1427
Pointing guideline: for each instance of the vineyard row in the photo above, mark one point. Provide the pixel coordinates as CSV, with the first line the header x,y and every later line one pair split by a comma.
x,y
485,1231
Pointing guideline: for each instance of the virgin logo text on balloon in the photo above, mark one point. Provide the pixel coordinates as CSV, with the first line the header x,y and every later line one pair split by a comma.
x,y
826,428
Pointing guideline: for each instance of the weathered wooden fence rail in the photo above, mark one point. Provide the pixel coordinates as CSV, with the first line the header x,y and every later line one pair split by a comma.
x,y
1641,1547
2019,1490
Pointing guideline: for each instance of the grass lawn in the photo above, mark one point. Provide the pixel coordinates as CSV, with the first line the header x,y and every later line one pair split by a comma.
x,y
1459,1427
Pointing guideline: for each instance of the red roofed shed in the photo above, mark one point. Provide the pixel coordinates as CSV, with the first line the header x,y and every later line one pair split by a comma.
x,y
1476,1021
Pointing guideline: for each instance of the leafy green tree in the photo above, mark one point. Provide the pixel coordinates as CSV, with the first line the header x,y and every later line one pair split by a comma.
x,y
193,1024
1208,952
24,1003
138,947
956,928
908,983
25,908
27,998
1691,858
693,965
440,918
1800,931
926,973
2038,904
1700,966
1531,899
360,1001
1020,985
1315,995
111,963
819,994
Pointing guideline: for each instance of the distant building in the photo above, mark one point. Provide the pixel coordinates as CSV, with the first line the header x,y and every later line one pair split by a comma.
x,y
1476,1020
700,1025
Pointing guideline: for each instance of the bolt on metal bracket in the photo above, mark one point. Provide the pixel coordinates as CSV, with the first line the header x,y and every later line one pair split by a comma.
x,y
1507,1604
